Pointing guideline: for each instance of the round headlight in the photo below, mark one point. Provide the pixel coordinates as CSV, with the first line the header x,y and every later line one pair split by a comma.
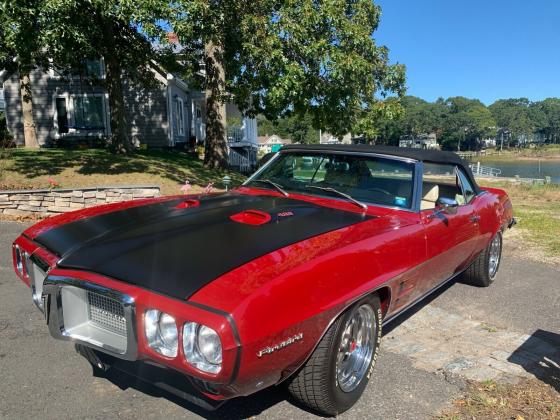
x,y
161,332
202,347
210,345
168,330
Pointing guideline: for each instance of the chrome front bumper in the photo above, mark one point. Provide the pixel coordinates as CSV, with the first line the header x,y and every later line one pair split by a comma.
x,y
92,315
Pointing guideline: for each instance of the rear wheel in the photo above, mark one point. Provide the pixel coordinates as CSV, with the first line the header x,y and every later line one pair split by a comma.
x,y
484,268
337,372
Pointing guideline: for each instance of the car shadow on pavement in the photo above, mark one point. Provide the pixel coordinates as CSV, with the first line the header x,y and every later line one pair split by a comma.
x,y
540,356
168,384
417,307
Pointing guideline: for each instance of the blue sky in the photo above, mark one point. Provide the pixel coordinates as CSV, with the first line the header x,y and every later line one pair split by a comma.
x,y
488,50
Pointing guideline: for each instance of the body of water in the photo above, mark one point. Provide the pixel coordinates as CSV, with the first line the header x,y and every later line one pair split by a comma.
x,y
526,168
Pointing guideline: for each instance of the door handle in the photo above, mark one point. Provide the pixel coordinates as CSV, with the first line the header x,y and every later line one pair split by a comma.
x,y
475,218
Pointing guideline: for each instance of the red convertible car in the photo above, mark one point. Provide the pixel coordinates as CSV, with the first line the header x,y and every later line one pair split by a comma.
x,y
287,279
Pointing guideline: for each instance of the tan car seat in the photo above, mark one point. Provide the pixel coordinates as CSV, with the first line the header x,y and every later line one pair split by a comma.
x,y
430,194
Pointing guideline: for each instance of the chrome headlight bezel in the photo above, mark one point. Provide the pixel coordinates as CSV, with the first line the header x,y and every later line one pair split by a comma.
x,y
202,347
161,332
19,259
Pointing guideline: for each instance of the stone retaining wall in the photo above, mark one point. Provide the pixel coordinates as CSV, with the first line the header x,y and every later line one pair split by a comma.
x,y
49,202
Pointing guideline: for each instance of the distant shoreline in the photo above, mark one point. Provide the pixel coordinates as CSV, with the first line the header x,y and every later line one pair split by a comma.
x,y
514,158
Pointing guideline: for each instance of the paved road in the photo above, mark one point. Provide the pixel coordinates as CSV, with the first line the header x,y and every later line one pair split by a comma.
x,y
41,377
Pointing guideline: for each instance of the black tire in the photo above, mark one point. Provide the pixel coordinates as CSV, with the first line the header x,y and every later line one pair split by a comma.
x,y
316,385
479,272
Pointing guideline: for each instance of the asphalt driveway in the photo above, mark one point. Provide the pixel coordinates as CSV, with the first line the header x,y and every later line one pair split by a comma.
x,y
463,332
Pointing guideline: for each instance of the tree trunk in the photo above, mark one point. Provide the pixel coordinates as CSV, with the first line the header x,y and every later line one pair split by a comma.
x,y
29,132
119,142
215,155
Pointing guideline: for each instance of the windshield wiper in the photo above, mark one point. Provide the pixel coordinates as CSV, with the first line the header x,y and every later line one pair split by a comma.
x,y
340,193
274,184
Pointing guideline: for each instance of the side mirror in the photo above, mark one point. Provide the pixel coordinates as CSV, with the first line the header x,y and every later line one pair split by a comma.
x,y
446,205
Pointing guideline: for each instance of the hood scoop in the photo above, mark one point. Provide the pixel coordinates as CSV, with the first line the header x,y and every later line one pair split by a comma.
x,y
188,203
251,217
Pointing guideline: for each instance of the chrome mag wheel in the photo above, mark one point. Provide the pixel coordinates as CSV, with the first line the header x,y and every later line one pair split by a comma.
x,y
495,255
356,348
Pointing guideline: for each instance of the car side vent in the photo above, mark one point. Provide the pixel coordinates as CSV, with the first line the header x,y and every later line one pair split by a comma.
x,y
251,217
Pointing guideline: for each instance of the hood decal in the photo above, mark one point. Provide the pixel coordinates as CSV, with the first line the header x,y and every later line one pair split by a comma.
x,y
176,251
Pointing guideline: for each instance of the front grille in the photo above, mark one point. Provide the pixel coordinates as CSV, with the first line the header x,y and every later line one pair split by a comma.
x,y
91,315
106,313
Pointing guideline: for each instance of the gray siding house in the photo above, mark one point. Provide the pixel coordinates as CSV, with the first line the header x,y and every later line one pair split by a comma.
x,y
2,103
70,108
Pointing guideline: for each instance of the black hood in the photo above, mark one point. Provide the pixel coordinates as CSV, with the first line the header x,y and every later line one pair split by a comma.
x,y
176,251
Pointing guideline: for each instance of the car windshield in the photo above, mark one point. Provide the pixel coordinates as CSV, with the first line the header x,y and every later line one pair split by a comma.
x,y
367,179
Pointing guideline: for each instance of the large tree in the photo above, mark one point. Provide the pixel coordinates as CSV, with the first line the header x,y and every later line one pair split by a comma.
x,y
21,51
296,57
545,116
421,116
131,37
465,123
512,118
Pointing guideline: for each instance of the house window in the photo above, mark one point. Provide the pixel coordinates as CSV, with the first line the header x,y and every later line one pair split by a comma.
x,y
89,68
61,115
94,68
179,116
84,114
88,113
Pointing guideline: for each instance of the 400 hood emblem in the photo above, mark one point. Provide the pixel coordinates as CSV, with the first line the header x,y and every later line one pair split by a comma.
x,y
281,345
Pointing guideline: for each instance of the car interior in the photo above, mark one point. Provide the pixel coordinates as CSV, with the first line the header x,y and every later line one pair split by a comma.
x,y
440,185
379,181
362,182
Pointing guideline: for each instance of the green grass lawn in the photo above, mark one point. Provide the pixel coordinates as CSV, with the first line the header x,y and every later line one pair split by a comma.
x,y
537,209
24,169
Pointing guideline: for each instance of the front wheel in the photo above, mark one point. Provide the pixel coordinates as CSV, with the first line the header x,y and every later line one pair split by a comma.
x,y
337,372
484,268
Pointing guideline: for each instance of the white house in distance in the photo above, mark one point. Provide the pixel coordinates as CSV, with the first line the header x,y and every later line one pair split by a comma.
x,y
421,141
328,138
271,143
488,142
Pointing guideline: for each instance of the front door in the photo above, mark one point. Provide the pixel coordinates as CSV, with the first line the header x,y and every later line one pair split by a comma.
x,y
451,238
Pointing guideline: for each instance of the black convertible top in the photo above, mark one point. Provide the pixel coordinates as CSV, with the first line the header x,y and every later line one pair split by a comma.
x,y
424,155
407,152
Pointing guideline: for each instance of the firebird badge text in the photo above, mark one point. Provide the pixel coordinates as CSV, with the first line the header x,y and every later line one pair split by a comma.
x,y
279,346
